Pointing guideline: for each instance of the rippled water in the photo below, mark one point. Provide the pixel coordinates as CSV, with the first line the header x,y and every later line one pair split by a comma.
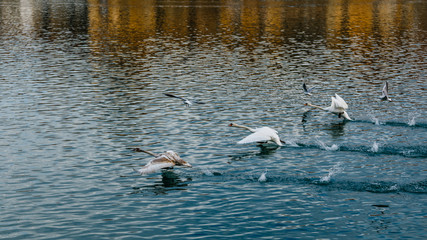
x,y
83,83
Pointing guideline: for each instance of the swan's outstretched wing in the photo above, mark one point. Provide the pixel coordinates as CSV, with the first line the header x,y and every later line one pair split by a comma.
x,y
263,134
340,103
255,137
155,165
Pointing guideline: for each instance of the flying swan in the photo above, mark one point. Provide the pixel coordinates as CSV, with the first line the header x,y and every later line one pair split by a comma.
x,y
259,135
165,160
338,106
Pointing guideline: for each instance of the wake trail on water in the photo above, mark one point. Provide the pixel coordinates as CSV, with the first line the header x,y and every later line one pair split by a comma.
x,y
412,123
413,151
327,182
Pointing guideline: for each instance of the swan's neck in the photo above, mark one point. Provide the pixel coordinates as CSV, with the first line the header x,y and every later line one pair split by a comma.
x,y
148,152
315,106
244,127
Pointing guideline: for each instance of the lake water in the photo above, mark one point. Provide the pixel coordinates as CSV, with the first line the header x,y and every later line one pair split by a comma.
x,y
82,83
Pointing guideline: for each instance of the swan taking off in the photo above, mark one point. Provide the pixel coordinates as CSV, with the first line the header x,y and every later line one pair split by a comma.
x,y
186,101
259,135
167,159
338,106
307,90
384,95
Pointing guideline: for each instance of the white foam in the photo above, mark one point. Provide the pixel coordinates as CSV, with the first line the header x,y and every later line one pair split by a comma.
x,y
334,170
263,178
207,172
375,120
323,146
374,147
411,121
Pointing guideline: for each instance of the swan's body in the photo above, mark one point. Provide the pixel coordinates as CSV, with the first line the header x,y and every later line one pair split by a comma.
x,y
167,159
186,101
259,135
338,106
307,90
384,95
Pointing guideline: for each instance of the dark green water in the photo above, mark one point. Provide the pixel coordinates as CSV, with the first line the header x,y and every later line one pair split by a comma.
x,y
83,82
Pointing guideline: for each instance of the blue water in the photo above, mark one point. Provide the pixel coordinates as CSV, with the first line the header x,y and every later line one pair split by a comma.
x,y
82,83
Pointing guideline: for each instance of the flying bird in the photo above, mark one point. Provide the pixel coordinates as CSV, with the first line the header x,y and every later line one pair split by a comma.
x,y
259,135
384,95
186,101
307,90
165,160
338,107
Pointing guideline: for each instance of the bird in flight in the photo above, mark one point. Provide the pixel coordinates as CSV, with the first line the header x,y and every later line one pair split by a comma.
x,y
186,101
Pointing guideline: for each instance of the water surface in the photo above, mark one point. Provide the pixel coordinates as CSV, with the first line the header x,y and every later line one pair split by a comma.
x,y
83,83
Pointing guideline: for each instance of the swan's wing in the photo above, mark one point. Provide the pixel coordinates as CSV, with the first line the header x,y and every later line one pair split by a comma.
x,y
155,165
262,134
340,102
258,136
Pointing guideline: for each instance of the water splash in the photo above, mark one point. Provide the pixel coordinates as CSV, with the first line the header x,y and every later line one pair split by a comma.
x,y
207,172
411,121
374,147
291,143
323,146
334,170
375,120
263,178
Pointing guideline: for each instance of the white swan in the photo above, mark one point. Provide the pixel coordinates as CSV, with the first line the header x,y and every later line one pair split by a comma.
x,y
338,106
186,101
259,135
167,159
384,95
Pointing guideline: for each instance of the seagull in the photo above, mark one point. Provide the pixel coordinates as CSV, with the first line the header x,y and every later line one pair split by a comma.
x,y
338,106
307,91
186,101
165,160
384,95
259,135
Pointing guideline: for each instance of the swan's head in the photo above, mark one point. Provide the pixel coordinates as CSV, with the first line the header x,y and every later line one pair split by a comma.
x,y
231,125
305,104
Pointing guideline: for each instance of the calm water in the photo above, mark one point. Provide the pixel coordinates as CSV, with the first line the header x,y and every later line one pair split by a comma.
x,y
82,83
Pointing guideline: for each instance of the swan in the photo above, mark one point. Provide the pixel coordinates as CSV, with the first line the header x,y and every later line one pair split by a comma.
x,y
259,135
384,95
338,106
167,159
307,90
186,101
